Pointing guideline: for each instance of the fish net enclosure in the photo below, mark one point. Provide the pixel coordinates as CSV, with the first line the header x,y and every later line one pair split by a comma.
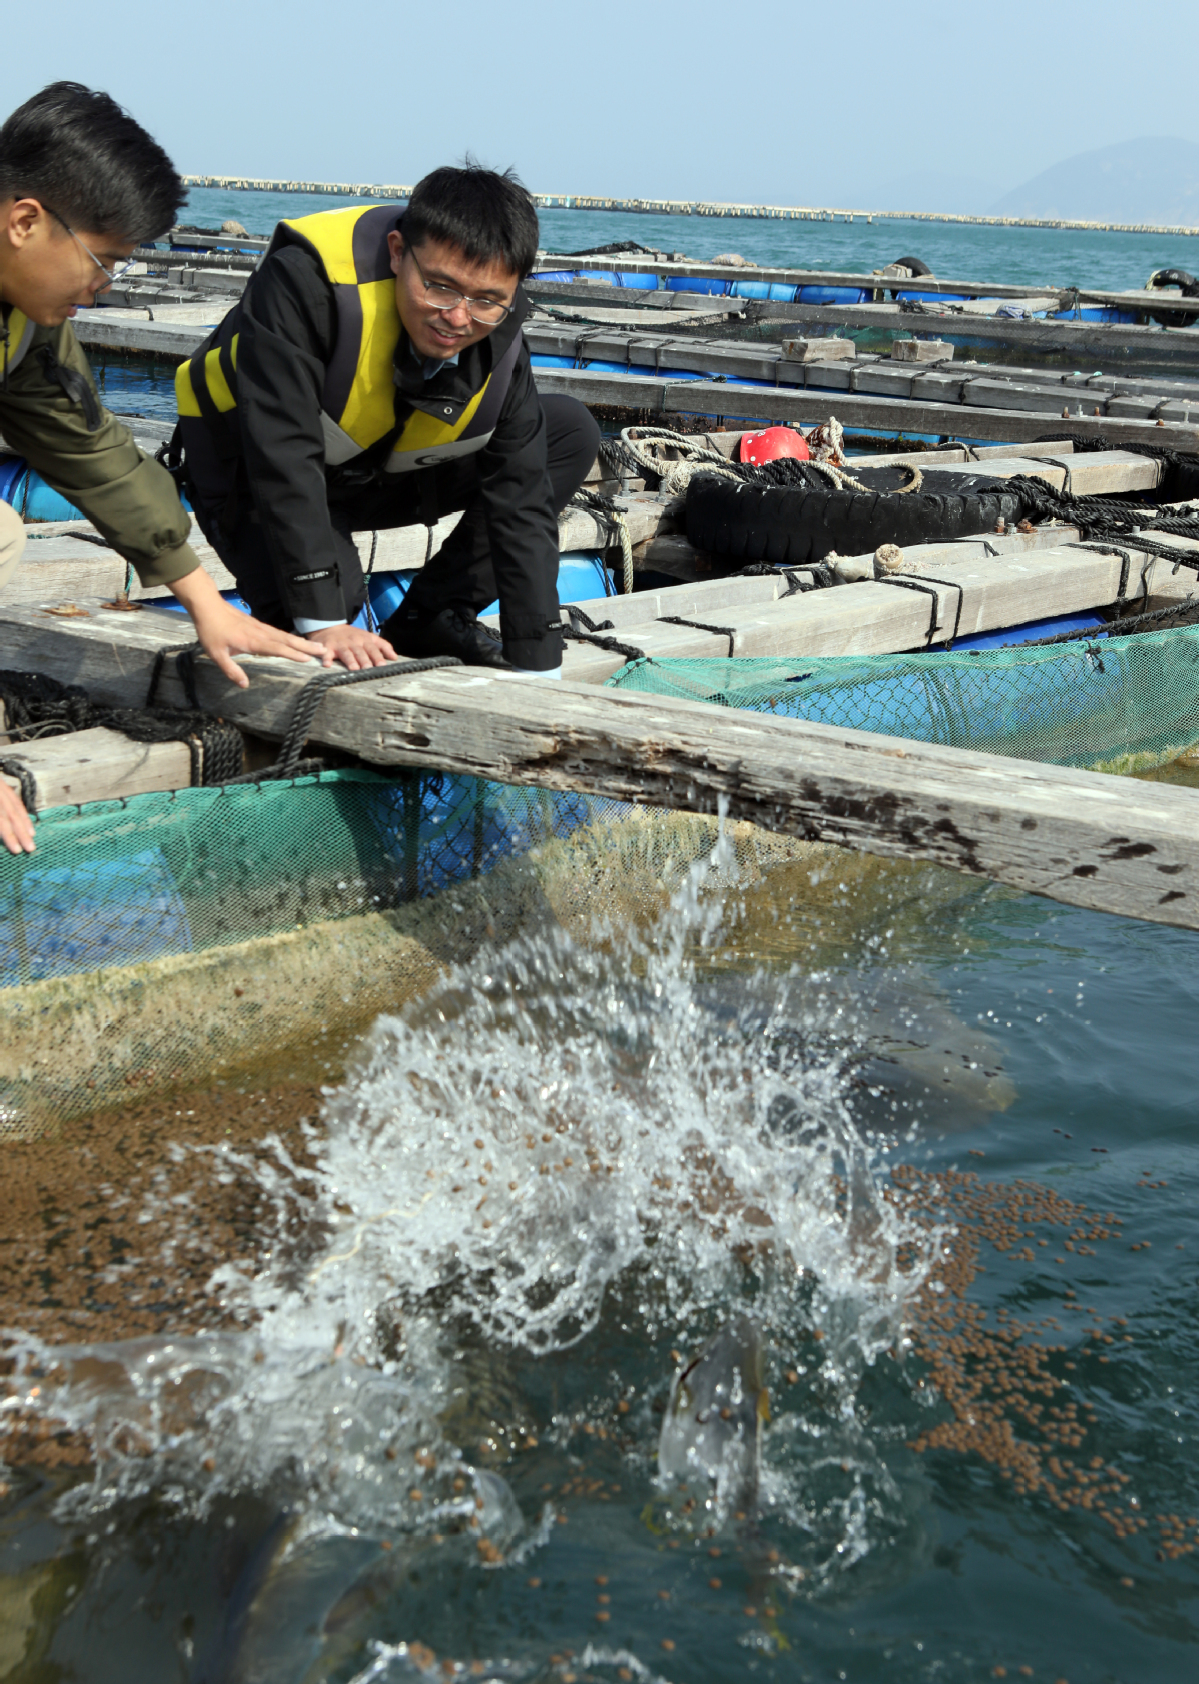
x,y
1107,704
155,941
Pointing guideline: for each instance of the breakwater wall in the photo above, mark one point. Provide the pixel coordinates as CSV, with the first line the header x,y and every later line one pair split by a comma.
x,y
686,207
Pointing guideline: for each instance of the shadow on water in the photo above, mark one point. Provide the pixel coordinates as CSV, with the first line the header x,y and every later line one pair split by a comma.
x,y
391,1394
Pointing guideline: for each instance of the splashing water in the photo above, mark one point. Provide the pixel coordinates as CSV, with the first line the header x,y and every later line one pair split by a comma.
x,y
561,1133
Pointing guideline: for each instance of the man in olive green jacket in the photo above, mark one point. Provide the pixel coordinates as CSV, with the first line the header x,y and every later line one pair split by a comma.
x,y
81,185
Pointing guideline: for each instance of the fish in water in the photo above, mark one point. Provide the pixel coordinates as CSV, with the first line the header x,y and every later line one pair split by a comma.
x,y
310,1594
714,1419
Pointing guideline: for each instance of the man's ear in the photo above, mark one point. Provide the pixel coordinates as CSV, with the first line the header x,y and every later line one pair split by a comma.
x,y
395,245
20,219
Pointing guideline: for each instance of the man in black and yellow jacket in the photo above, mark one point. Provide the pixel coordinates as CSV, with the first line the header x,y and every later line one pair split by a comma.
x,y
374,375
80,185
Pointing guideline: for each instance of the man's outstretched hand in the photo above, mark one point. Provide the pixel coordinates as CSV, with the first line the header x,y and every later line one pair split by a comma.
x,y
16,827
355,649
224,631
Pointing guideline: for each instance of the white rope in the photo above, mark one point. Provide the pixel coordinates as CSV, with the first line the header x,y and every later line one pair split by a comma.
x,y
675,476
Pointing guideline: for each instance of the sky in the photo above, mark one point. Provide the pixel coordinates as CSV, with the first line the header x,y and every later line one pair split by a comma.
x,y
757,103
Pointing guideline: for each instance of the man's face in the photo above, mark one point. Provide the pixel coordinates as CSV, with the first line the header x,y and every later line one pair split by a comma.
x,y
444,333
44,270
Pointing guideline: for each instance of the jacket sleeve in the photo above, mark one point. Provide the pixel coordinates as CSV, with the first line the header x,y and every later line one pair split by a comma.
x,y
130,499
515,490
286,339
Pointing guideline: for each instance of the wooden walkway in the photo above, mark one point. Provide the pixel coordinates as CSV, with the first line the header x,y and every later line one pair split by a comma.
x,y
1113,844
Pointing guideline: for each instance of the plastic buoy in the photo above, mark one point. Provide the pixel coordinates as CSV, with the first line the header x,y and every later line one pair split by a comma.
x,y
774,442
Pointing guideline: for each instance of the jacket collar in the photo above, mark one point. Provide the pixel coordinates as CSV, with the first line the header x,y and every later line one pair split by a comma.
x,y
455,384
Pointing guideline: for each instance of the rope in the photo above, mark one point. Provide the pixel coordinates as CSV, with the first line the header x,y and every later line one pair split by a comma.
x,y
313,694
597,504
826,461
185,666
592,635
36,707
1125,567
1185,613
910,584
17,769
698,625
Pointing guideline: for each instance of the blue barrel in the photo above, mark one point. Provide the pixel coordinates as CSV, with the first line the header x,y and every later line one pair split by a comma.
x,y
933,297
639,283
698,283
28,492
833,295
64,919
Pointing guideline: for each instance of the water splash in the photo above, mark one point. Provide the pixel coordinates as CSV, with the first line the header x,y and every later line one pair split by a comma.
x,y
554,1127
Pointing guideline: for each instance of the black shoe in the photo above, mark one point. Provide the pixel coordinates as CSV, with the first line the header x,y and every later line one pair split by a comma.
x,y
450,632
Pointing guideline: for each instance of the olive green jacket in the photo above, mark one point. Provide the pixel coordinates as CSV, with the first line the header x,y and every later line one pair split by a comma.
x,y
51,414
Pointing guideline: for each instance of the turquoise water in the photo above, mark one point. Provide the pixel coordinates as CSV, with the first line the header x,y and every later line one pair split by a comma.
x,y
1023,256
399,1343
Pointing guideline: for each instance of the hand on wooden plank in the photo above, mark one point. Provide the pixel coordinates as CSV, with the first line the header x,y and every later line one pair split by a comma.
x,y
354,648
16,827
225,632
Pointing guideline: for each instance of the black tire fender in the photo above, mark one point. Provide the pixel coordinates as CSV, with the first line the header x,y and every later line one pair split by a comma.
x,y
796,527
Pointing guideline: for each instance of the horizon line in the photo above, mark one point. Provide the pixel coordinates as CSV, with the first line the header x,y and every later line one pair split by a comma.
x,y
694,207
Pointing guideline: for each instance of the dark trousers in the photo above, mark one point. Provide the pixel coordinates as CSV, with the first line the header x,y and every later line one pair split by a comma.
x,y
460,575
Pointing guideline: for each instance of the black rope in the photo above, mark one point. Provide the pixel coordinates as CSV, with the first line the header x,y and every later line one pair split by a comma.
x,y
1184,614
1125,567
592,635
17,769
698,625
36,707
580,617
910,584
185,667
313,694
822,576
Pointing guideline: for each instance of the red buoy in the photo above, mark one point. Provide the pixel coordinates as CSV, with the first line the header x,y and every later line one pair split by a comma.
x,y
773,442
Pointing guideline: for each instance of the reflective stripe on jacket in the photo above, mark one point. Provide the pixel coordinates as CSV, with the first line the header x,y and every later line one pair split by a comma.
x,y
16,336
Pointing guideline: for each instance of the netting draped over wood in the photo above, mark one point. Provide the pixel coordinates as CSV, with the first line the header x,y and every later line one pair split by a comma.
x,y
1117,704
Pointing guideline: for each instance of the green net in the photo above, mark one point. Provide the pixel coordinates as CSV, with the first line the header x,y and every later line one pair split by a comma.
x,y
1121,704
165,940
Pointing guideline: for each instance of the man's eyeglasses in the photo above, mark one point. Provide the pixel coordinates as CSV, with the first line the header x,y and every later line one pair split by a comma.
x,y
111,276
482,310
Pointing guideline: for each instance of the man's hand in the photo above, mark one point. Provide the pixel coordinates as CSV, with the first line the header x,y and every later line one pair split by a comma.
x,y
16,827
355,649
224,631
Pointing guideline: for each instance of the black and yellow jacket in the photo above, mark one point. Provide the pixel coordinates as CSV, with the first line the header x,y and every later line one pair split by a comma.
x,y
310,383
50,413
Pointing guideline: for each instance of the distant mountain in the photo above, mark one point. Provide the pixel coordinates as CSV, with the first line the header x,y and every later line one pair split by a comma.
x,y
1155,179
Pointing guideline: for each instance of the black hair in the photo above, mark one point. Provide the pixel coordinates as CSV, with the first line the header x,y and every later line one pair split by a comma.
x,y
77,152
489,217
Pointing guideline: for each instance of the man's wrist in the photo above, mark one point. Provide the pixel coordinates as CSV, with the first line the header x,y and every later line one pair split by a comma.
x,y
307,627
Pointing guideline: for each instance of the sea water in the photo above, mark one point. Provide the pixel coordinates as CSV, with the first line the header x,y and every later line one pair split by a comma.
x,y
1049,257
954,251
934,1136
377,1394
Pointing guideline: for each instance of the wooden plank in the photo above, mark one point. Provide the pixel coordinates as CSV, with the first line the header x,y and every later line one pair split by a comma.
x,y
632,264
1147,347
870,618
99,765
784,404
1112,844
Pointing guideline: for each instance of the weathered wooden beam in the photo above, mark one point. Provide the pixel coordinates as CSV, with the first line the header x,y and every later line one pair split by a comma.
x,y
976,594
98,765
707,397
1114,845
